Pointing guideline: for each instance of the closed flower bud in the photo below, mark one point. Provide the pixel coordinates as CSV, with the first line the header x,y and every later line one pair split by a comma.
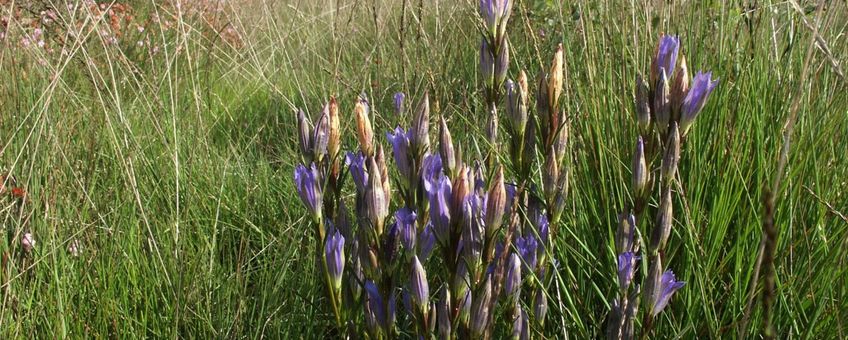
x,y
420,290
400,141
406,220
461,189
480,309
517,105
520,325
625,240
492,126
555,80
439,196
529,154
561,143
542,106
335,257
652,280
304,128
502,62
419,133
696,98
662,228
550,175
444,315
334,138
398,103
512,284
385,180
540,306
363,128
662,91
487,64
679,87
495,204
321,135
446,147
640,170
672,154
643,105
375,197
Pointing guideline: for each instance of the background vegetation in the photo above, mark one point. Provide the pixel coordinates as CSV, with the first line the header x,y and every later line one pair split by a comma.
x,y
158,138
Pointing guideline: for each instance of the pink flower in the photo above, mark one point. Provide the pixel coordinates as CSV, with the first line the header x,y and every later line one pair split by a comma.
x,y
27,242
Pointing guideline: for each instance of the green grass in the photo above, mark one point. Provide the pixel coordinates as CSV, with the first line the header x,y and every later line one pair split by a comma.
x,y
174,170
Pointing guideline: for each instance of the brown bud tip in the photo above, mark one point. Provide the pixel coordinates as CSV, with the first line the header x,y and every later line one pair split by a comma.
x,y
334,141
555,80
679,87
364,131
446,150
496,203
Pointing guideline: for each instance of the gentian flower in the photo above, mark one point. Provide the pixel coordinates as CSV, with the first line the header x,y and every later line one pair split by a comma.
x,y
540,306
626,269
419,289
640,170
321,135
335,257
487,63
663,293
358,170
495,14
520,326
398,101
696,98
480,309
375,308
419,133
440,212
665,58
304,128
444,315
431,170
527,249
307,182
406,218
513,277
427,240
400,148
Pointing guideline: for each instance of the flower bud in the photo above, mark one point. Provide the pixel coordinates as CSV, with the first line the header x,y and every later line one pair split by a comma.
x,y
626,269
679,88
520,325
550,175
304,128
363,127
542,105
652,280
400,141
662,91
375,197
444,315
385,180
555,80
487,64
625,234
540,306
480,309
643,105
440,207
495,204
492,126
561,143
502,63
419,132
406,220
335,257
665,57
672,154
461,189
512,284
640,170
420,290
334,137
517,105
446,147
696,98
662,229
321,135
307,181
398,103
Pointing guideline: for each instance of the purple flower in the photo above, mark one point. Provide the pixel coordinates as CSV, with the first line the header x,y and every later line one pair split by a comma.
x,y
666,57
626,269
307,183
321,135
520,326
540,306
431,170
527,249
358,170
495,12
427,240
335,257
405,219
696,98
480,309
399,97
487,62
375,309
668,285
400,148
419,289
440,199
27,242
513,276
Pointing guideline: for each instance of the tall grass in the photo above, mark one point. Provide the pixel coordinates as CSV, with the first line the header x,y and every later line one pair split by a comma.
x,y
173,168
